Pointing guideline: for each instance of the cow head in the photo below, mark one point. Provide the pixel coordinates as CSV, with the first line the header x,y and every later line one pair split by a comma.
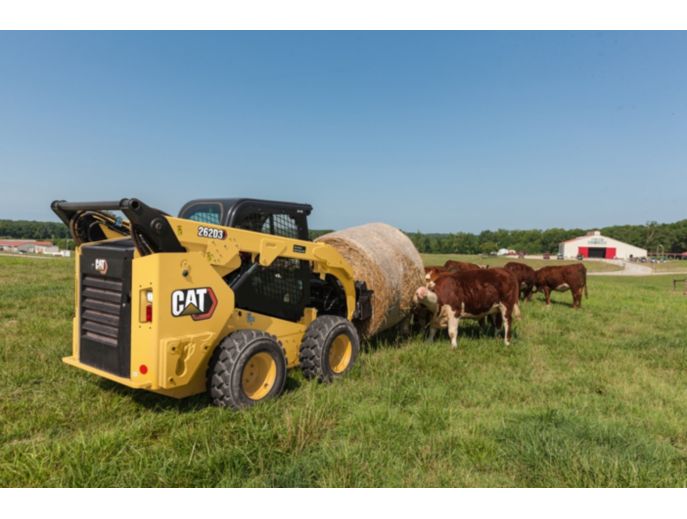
x,y
431,275
425,297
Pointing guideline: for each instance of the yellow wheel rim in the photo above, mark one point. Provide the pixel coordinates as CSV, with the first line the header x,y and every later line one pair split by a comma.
x,y
259,375
340,353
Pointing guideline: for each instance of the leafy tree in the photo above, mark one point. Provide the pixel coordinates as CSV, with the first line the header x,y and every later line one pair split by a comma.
x,y
487,247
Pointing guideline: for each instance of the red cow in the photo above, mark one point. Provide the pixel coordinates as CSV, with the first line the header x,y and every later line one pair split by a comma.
x,y
567,277
527,278
470,295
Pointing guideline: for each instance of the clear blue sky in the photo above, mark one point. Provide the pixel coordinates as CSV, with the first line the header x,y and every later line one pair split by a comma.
x,y
426,131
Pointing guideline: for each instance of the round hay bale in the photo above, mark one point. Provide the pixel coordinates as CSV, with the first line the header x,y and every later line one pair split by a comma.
x,y
385,259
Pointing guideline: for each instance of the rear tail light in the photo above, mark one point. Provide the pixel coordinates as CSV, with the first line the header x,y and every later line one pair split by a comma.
x,y
149,313
149,307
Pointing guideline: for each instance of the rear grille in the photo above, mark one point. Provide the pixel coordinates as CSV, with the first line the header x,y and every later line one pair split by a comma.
x,y
100,307
105,306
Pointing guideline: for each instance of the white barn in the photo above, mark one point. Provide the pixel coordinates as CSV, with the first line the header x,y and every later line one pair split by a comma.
x,y
594,245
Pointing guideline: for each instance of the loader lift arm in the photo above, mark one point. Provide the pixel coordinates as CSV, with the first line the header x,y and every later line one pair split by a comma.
x,y
148,227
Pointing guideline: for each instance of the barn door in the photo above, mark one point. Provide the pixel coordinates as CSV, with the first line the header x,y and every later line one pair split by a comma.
x,y
610,252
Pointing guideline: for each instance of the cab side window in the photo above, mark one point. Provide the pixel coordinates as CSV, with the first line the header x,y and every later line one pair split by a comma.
x,y
284,225
254,222
277,224
206,213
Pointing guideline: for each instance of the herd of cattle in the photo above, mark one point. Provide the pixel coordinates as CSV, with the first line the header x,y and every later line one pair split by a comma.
x,y
461,290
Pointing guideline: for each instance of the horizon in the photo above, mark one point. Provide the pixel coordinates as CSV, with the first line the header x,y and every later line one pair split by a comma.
x,y
408,231
430,132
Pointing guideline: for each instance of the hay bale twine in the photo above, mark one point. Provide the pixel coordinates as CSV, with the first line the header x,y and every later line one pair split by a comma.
x,y
388,262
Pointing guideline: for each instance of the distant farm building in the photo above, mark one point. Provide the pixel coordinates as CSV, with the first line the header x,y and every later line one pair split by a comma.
x,y
29,247
594,245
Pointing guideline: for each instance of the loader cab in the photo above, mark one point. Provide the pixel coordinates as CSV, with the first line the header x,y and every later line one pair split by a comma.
x,y
281,290
270,217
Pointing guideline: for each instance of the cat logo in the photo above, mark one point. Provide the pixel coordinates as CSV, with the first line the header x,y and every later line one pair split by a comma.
x,y
199,303
101,265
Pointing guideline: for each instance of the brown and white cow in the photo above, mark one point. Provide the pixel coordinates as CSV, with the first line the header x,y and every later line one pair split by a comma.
x,y
562,278
470,295
527,277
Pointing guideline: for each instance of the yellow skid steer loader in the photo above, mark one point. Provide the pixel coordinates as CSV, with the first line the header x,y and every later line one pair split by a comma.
x,y
223,298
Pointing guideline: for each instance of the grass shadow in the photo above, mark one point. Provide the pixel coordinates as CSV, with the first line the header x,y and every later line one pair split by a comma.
x,y
468,329
553,302
154,401
292,384
160,403
391,338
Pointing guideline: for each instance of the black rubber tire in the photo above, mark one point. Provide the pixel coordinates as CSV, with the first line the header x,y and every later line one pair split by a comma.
x,y
317,340
228,360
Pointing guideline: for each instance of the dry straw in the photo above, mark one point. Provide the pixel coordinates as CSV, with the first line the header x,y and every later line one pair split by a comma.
x,y
388,262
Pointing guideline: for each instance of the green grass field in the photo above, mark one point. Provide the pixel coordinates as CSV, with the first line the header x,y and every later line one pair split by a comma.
x,y
668,266
499,261
594,397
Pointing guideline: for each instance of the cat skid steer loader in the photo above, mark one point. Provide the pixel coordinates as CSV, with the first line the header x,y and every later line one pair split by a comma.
x,y
223,298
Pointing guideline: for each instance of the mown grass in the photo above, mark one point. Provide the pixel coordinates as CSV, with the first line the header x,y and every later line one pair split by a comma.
x,y
594,397
668,266
499,261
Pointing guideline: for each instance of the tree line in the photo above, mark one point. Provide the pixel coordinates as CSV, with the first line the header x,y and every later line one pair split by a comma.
x,y
671,236
32,230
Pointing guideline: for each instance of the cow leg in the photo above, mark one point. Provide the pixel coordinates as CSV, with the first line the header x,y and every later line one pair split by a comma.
x,y
528,294
496,321
577,298
547,295
507,318
432,333
453,329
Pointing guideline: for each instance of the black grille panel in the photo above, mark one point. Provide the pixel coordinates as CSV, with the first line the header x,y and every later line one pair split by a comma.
x,y
100,317
105,316
101,303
